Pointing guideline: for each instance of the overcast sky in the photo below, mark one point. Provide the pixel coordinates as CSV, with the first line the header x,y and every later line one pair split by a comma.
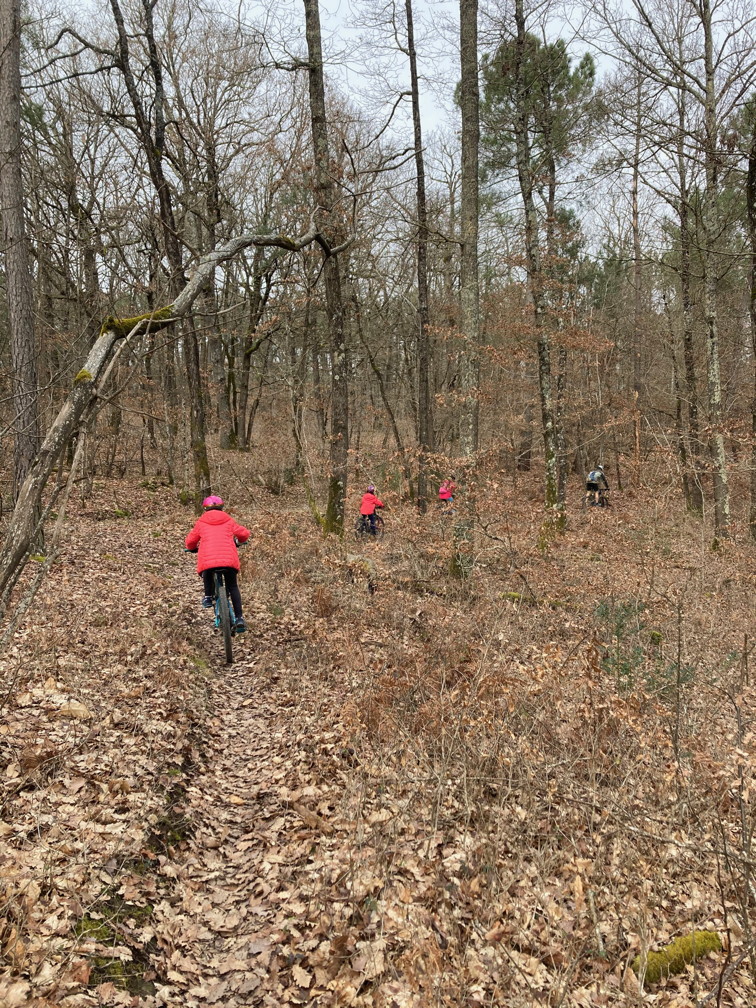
x,y
361,53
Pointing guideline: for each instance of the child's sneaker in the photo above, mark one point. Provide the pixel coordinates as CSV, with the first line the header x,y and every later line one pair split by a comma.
x,y
207,602
240,626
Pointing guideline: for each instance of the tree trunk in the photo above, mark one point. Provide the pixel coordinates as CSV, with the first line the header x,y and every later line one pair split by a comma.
x,y
219,368
561,377
555,509
23,525
469,104
716,443
424,348
18,279
339,449
317,387
637,281
150,128
692,471
258,293
297,373
751,205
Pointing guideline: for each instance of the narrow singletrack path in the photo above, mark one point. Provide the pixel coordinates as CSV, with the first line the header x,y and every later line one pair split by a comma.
x,y
241,875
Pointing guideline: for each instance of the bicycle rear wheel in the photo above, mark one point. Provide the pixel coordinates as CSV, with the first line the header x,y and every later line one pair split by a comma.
x,y
224,615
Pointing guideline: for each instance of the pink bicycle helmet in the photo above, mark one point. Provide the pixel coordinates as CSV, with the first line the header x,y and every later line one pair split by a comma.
x,y
211,502
371,489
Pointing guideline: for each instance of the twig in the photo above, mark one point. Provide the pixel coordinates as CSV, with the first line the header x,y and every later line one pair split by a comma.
x,y
599,938
725,977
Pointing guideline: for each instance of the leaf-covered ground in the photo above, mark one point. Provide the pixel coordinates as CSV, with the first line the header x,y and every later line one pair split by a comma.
x,y
409,790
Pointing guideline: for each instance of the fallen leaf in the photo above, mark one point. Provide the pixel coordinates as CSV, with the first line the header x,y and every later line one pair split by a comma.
x,y
302,977
310,818
75,709
14,995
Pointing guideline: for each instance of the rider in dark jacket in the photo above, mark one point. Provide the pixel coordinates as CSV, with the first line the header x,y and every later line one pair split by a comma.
x,y
595,483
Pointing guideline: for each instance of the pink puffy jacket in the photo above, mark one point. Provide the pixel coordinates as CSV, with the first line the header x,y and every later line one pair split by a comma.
x,y
369,503
214,533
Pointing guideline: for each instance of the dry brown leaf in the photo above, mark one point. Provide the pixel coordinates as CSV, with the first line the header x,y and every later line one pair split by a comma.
x,y
75,709
302,977
310,818
14,994
497,932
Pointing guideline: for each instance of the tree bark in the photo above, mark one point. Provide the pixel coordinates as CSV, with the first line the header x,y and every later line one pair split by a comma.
x,y
535,279
637,280
692,468
150,128
469,104
424,348
328,231
716,441
751,208
18,279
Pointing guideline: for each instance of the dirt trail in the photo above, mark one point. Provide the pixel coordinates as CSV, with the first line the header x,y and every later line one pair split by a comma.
x,y
140,772
240,876
219,927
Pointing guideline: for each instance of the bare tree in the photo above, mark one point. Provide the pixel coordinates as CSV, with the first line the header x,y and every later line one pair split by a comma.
x,y
89,387
424,349
330,236
469,106
18,280
682,49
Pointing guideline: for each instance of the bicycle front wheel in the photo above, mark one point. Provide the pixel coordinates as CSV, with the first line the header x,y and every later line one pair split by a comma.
x,y
224,613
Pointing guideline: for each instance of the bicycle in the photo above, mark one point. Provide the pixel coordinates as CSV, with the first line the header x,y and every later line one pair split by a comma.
x,y
362,527
589,499
225,618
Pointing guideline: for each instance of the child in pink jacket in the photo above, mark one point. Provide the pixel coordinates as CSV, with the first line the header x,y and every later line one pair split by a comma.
x,y
213,539
367,509
446,495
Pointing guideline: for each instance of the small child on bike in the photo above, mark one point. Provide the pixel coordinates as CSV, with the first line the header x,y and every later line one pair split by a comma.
x,y
367,509
446,495
213,539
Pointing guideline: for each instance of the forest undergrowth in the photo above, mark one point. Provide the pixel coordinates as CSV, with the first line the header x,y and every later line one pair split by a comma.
x,y
410,790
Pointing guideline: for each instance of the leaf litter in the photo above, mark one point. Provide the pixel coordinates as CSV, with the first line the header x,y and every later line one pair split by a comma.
x,y
450,796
